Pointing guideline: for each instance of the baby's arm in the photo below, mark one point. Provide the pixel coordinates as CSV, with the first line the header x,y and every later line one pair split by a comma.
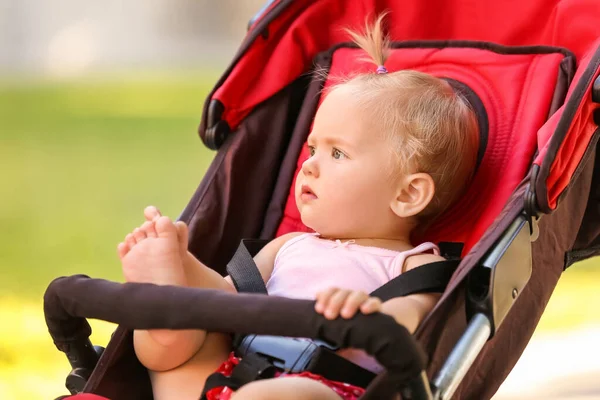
x,y
199,275
411,310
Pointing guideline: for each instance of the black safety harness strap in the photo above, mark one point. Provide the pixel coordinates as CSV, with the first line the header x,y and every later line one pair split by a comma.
x,y
428,278
251,368
243,270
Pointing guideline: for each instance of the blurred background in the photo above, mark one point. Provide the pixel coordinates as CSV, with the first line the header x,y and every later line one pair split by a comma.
x,y
99,105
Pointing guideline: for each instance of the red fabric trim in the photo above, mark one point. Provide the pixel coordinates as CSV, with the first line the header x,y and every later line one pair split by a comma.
x,y
516,91
576,139
307,27
86,396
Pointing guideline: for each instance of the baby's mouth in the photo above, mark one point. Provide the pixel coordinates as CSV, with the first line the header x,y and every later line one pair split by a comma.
x,y
307,193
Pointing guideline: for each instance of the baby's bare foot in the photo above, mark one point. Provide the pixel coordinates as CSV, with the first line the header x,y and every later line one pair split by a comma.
x,y
151,213
154,253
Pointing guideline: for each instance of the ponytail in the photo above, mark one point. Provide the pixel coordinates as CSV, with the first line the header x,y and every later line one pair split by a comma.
x,y
374,42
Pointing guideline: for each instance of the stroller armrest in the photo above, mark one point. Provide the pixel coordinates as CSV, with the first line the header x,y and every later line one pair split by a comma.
x,y
69,300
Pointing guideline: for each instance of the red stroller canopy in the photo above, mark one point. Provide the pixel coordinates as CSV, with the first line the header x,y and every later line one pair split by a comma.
x,y
282,44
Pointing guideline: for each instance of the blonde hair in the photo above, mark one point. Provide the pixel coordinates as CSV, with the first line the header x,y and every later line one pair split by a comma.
x,y
432,128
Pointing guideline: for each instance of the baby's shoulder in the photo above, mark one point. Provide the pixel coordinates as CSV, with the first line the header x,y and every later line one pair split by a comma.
x,y
283,239
265,259
417,260
276,244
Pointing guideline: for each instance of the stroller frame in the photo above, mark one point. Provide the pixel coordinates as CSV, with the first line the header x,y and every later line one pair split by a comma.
x,y
512,254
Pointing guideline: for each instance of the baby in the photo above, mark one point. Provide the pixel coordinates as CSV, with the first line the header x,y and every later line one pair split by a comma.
x,y
389,152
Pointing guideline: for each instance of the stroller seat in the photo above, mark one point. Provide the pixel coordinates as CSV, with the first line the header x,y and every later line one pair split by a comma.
x,y
536,106
538,78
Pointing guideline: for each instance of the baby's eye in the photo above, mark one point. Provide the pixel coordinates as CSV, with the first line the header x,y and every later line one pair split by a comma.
x,y
311,150
338,155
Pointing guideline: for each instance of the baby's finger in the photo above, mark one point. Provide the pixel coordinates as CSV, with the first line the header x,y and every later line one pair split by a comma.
x,y
323,298
335,304
371,305
354,300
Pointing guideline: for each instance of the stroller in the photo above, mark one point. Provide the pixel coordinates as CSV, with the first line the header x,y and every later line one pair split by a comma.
x,y
530,70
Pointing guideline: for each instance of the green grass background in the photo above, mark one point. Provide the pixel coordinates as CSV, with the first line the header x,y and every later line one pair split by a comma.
x,y
79,161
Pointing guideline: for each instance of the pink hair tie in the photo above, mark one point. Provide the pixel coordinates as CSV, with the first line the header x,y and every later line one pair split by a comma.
x,y
381,70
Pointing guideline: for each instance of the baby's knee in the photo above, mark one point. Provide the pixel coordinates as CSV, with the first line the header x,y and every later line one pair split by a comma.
x,y
257,390
288,388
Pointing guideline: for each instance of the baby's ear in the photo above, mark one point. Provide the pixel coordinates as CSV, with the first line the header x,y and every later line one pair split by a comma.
x,y
414,193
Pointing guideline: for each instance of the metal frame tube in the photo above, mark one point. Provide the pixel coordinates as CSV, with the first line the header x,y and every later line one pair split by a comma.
x,y
462,357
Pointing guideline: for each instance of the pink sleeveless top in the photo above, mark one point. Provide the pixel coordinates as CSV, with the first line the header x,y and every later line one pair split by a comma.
x,y
306,265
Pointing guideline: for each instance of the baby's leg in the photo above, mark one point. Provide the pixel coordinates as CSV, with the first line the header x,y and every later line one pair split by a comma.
x,y
154,253
292,388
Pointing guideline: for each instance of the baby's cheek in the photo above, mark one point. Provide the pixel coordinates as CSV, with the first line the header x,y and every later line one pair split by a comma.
x,y
306,214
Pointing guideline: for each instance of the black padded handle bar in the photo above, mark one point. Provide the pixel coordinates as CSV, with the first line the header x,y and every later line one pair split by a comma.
x,y
69,300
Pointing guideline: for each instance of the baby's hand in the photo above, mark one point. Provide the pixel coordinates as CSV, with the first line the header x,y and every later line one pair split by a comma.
x,y
334,301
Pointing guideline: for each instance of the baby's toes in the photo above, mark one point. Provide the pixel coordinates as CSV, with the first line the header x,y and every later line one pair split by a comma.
x,y
122,249
165,228
152,213
130,241
149,229
139,235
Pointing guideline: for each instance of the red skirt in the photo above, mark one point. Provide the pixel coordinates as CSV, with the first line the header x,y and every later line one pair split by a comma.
x,y
344,390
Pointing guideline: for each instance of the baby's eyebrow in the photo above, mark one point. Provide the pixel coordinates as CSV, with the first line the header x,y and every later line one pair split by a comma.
x,y
338,141
329,140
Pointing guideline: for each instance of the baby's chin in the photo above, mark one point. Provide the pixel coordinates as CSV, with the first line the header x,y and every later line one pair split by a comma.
x,y
307,221
311,220
318,225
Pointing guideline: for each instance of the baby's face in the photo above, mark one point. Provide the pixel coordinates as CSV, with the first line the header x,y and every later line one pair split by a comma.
x,y
344,189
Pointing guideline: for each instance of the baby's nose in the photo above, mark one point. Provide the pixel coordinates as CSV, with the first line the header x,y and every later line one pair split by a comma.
x,y
310,167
